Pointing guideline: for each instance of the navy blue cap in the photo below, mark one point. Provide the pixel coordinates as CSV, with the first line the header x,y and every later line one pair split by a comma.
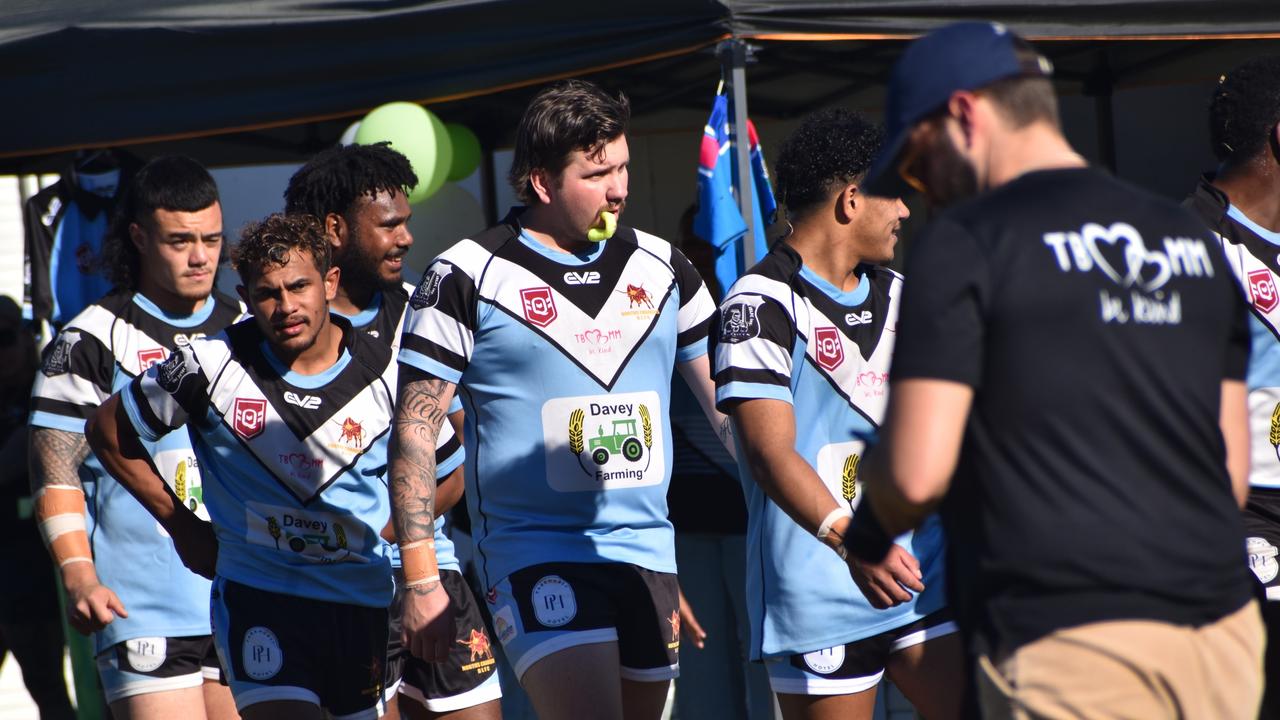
x,y
962,56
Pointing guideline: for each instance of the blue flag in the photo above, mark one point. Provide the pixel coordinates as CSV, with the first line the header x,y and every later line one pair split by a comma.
x,y
719,220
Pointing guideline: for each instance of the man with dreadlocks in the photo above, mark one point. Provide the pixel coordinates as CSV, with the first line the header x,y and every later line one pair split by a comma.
x,y
359,194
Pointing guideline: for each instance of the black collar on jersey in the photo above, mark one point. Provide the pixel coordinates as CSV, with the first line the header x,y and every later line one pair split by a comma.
x,y
609,264
865,335
369,360
1211,203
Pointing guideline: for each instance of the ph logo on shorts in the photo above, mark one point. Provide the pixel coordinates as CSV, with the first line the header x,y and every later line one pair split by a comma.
x,y
825,662
553,600
261,653
146,654
1262,559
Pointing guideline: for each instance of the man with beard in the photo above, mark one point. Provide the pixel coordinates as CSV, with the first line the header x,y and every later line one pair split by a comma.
x,y
1241,204
289,414
360,195
125,584
1070,363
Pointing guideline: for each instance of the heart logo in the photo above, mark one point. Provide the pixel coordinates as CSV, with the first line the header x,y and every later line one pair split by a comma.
x,y
1147,269
595,337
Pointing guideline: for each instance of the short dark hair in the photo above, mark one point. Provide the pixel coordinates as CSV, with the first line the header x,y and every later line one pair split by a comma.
x,y
332,180
1025,99
830,149
563,117
267,244
1245,108
171,182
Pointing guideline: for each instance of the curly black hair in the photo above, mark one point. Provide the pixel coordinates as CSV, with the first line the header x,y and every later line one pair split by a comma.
x,y
266,244
335,178
169,182
1245,109
830,149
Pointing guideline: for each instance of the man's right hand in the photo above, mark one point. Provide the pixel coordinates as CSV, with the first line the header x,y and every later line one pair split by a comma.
x,y
91,605
427,623
883,583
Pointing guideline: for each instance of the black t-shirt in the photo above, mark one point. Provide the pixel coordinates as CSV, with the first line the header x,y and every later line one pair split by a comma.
x,y
1096,323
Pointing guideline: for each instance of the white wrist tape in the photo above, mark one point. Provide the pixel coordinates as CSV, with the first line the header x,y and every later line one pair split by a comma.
x,y
825,528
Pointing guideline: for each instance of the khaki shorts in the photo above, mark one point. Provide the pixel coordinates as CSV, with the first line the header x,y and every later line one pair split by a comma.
x,y
1131,669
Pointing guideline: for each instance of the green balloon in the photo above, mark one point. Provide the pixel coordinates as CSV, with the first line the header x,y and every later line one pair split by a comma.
x,y
466,151
418,135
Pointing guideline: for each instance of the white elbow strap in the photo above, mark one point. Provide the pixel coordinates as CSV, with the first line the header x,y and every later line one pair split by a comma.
x,y
60,511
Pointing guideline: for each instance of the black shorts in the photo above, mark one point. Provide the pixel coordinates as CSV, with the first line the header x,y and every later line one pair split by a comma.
x,y
856,666
544,608
284,647
1262,538
469,678
144,665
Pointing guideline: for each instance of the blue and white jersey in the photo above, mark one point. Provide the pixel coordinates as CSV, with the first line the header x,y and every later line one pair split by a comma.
x,y
1253,253
787,334
383,320
563,363
99,352
296,463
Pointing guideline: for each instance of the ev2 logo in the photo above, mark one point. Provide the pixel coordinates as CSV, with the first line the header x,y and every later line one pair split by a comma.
x,y
862,318
590,277
306,402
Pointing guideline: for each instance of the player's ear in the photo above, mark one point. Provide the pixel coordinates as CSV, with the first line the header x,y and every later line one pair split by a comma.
x,y
331,283
137,236
335,227
542,182
847,202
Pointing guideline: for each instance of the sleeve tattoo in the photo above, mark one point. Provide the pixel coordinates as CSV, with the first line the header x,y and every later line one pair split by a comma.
x,y
56,456
413,458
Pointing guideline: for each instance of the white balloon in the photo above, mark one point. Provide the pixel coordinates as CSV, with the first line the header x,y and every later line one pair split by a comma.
x,y
349,135
450,215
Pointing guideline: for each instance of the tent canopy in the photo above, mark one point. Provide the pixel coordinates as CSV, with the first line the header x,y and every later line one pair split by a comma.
x,y
275,79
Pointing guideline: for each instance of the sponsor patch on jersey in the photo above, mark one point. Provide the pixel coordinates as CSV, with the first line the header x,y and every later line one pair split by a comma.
x,y
149,357
828,348
1262,290
539,306
639,301
261,653
428,292
171,372
316,536
249,417
604,442
181,470
59,360
738,323
825,662
504,624
1262,559
554,603
146,654
597,341
837,465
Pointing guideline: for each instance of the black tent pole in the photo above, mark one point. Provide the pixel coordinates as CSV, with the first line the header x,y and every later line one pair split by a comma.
x,y
733,66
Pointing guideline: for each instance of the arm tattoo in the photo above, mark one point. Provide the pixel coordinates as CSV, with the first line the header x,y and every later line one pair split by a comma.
x,y
56,456
412,465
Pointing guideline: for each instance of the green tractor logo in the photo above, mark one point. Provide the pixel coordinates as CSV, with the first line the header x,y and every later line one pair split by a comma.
x,y
624,440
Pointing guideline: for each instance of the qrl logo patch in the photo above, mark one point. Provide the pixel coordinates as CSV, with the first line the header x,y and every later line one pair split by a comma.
x,y
539,306
147,358
830,350
249,417
1262,288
